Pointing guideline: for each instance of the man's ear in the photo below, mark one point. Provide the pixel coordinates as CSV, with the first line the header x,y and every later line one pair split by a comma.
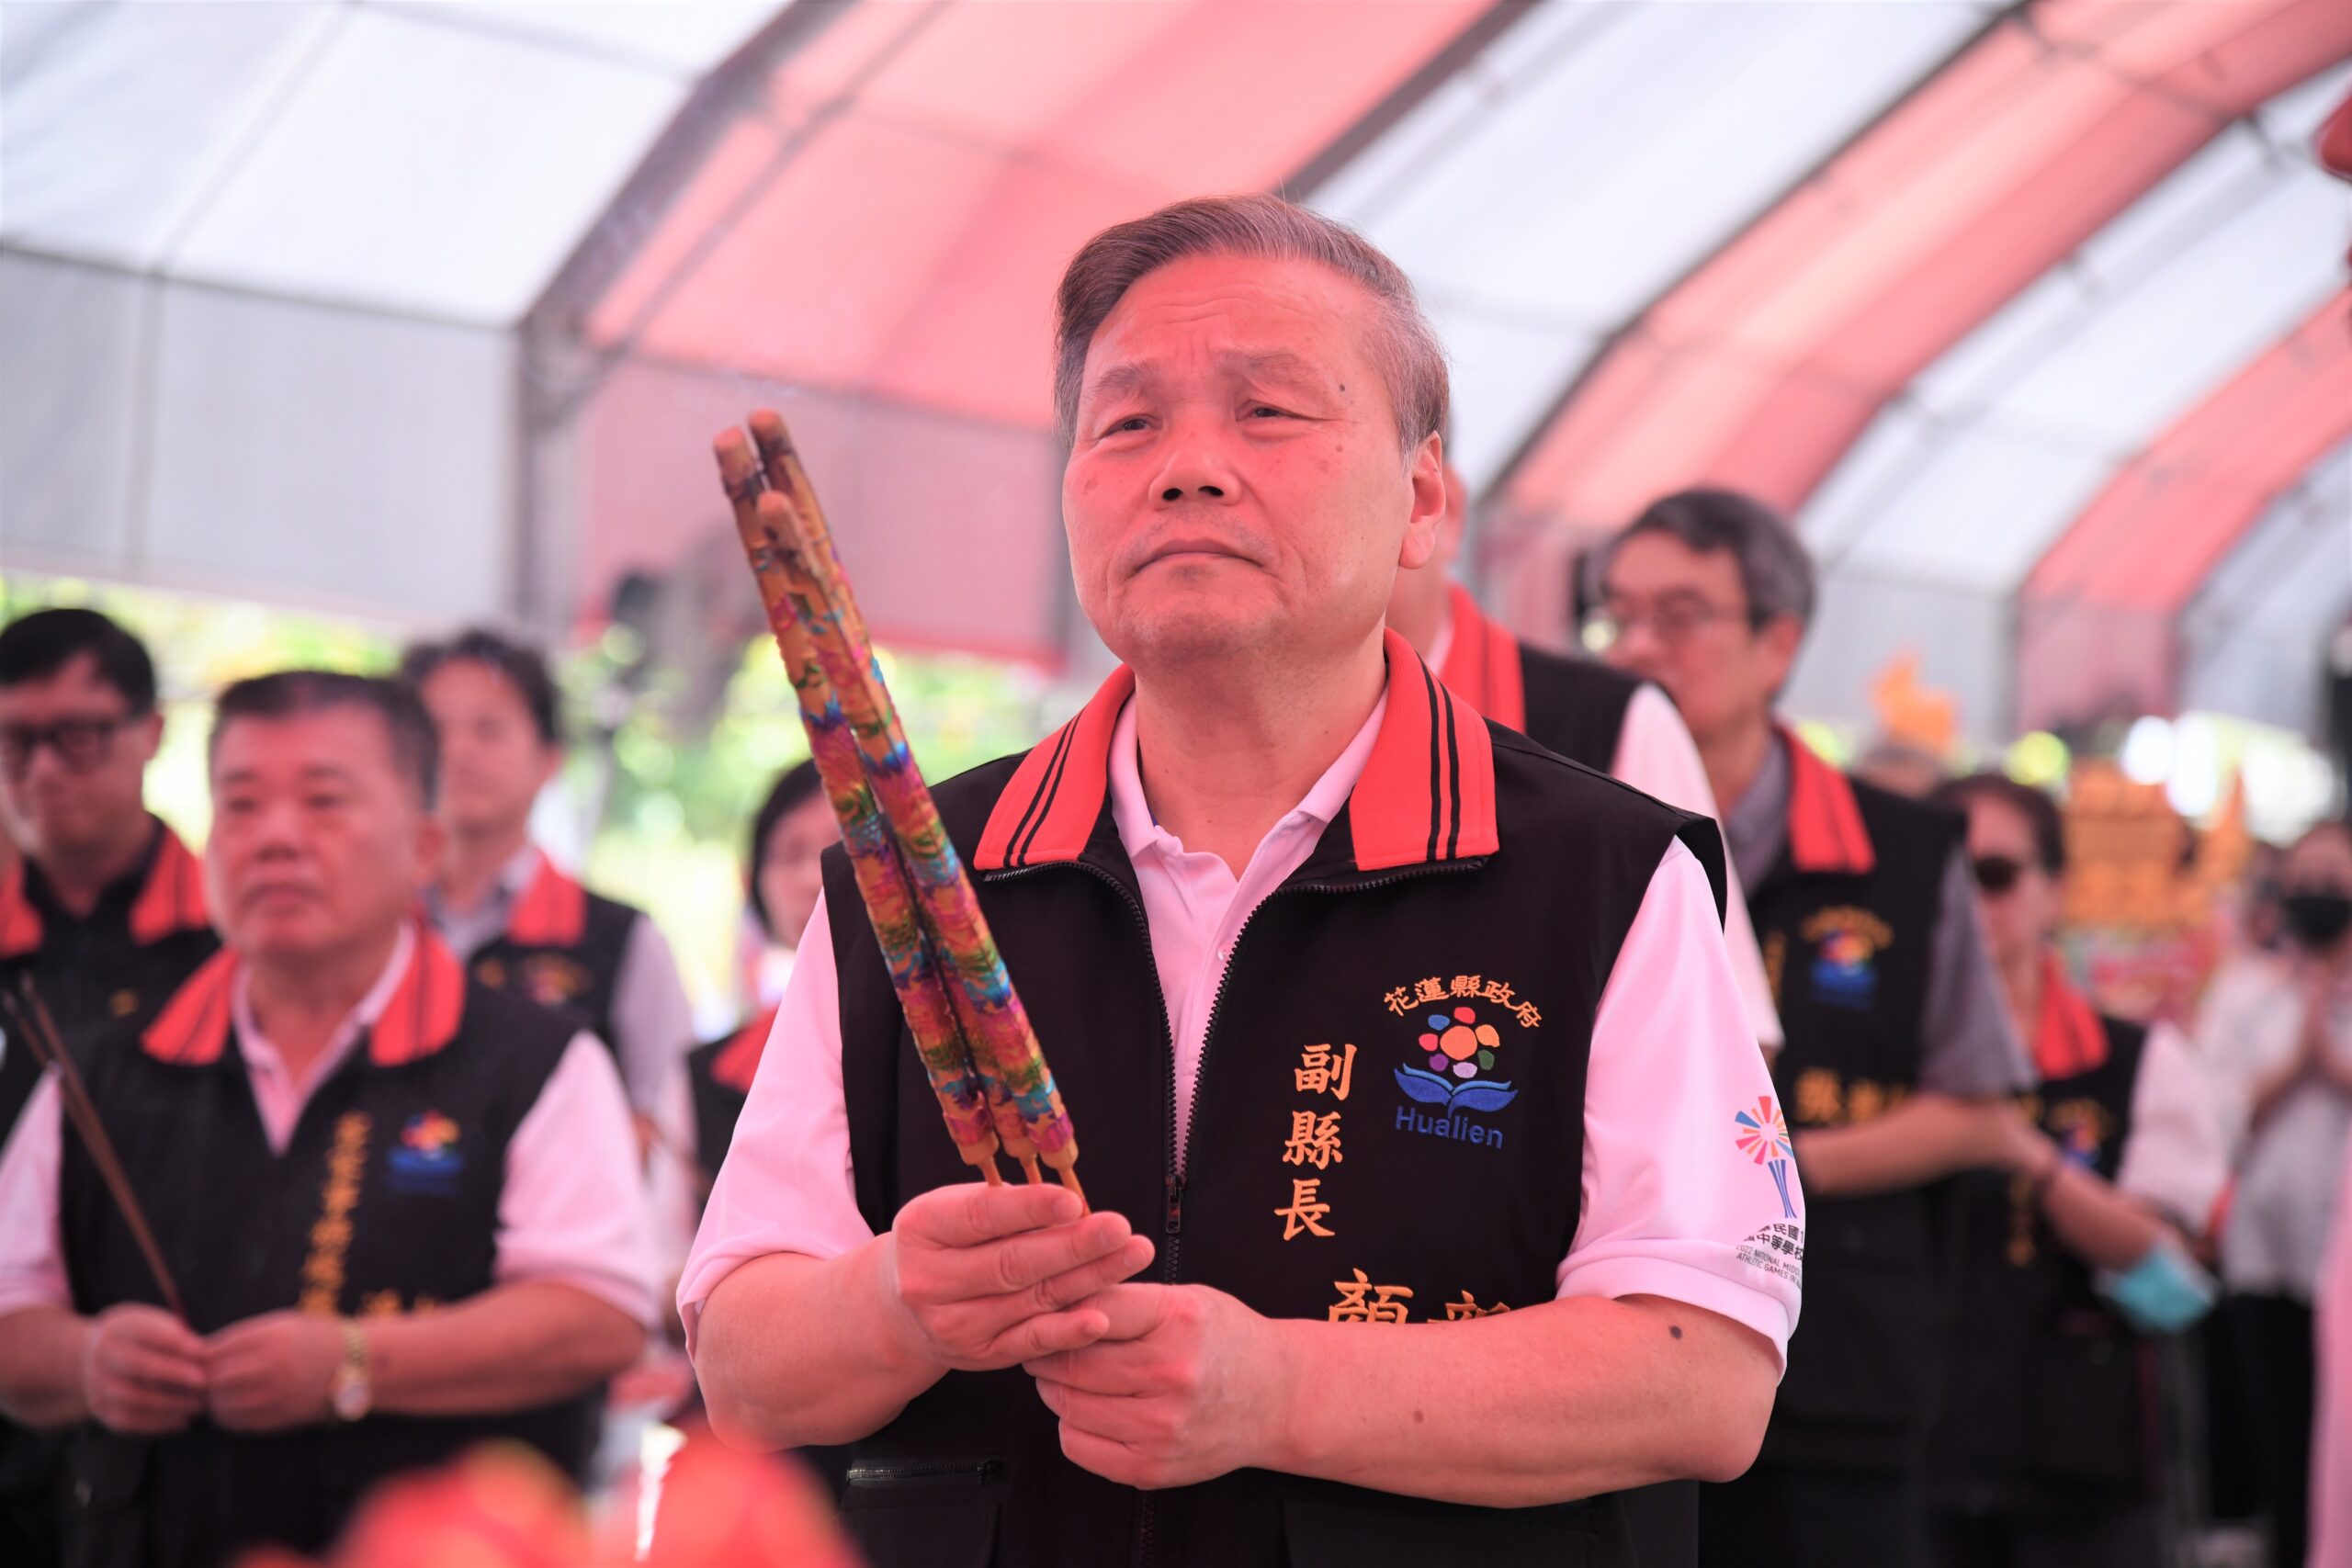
x,y
1426,476
147,736
550,764
432,844
1780,637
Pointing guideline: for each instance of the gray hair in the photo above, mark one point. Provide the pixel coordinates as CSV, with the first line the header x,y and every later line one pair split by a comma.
x,y
1411,363
1775,571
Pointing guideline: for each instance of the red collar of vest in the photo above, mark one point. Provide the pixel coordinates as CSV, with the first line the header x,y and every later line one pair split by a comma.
x,y
739,1060
1826,832
421,1017
1481,663
2068,1039
170,900
552,912
1427,793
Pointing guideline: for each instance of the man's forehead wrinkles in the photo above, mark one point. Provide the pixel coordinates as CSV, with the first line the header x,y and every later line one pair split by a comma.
x,y
1286,364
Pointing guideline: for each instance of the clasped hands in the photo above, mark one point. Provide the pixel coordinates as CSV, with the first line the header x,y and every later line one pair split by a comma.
x,y
146,1373
1155,1385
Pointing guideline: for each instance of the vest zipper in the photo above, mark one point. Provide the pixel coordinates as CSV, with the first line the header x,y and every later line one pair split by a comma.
x,y
1172,1224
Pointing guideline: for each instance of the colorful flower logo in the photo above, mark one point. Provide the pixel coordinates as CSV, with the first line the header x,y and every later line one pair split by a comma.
x,y
429,1133
426,1159
1763,1137
1457,1048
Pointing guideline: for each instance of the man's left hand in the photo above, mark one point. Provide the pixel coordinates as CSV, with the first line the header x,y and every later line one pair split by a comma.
x,y
272,1372
1187,1385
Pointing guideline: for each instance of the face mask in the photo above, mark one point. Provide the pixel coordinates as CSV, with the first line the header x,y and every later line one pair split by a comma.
x,y
2163,1293
2317,918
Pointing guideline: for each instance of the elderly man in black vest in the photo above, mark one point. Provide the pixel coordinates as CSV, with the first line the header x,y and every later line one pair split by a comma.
x,y
402,1210
1901,1061
1439,1189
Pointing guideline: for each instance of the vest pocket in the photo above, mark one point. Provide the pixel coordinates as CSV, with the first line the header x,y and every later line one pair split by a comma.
x,y
924,1515
109,1475
1323,1534
2087,1431
1872,1327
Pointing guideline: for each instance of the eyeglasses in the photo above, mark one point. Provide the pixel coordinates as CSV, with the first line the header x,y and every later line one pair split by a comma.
x,y
82,744
1996,874
1671,620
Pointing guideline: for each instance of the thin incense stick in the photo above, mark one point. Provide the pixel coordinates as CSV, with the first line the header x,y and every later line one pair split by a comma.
x,y
39,1031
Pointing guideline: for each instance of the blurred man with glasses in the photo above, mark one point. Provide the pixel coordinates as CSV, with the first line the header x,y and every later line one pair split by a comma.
x,y
100,903
1900,1065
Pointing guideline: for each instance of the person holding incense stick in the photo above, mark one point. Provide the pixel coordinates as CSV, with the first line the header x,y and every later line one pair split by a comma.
x,y
400,1212
101,904
1438,1190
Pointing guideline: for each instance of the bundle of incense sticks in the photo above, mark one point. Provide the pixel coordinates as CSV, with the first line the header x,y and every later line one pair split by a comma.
x,y
982,1056
38,1032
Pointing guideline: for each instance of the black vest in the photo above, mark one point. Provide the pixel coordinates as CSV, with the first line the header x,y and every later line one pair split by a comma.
x,y
385,1201
114,969
2049,1405
1430,1197
1848,953
1575,706
718,1075
573,979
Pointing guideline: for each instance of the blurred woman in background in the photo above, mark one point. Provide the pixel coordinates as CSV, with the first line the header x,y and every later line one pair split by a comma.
x,y
2046,1449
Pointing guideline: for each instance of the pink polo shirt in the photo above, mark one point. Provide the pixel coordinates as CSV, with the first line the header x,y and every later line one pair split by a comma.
x,y
1672,1205
573,1211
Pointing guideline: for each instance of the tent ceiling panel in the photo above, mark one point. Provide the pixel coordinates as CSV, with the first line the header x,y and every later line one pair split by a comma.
x,y
116,125
2253,638
1534,191
428,170
2088,366
1998,167
686,40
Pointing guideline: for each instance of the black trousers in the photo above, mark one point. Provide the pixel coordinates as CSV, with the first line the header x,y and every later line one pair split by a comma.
x,y
2123,1537
1778,1517
2274,1337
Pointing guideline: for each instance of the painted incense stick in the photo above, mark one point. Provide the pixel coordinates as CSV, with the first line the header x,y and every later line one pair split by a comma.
x,y
873,853
1029,1120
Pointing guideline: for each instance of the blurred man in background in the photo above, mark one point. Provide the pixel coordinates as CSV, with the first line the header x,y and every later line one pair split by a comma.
x,y
101,906
402,1210
2046,1452
520,923
1901,1064
1582,709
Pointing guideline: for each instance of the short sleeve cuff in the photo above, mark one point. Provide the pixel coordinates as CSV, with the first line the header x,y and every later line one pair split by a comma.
x,y
1767,1313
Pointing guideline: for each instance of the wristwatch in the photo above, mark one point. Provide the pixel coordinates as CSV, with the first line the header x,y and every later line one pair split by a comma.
x,y
350,1392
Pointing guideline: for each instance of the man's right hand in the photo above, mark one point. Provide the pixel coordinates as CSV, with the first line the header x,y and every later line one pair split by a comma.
x,y
143,1370
989,1276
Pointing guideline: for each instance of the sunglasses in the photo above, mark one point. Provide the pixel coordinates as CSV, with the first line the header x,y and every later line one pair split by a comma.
x,y
1995,875
82,744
